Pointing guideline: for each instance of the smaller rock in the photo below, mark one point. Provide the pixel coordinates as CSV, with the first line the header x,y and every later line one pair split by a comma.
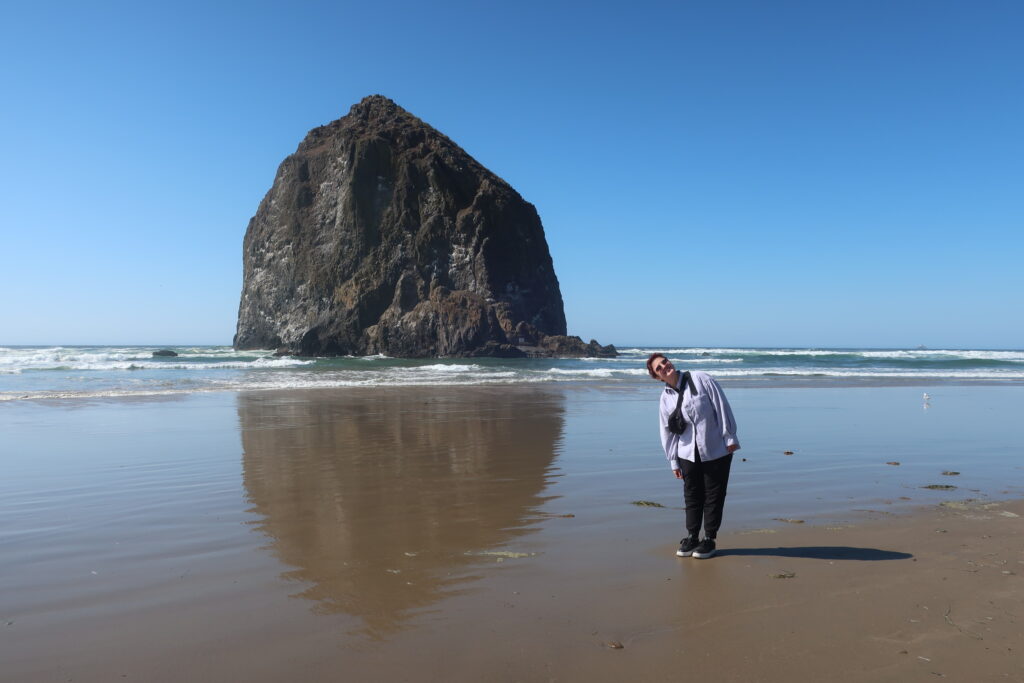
x,y
613,644
562,346
493,349
894,463
787,452
939,487
164,353
647,504
783,575
950,473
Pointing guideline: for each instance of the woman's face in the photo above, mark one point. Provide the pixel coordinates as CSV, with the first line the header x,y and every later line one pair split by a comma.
x,y
663,368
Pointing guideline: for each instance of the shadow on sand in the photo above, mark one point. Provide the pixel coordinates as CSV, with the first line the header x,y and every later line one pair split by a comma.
x,y
819,552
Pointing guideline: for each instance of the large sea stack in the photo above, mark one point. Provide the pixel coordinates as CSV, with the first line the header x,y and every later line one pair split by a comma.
x,y
381,235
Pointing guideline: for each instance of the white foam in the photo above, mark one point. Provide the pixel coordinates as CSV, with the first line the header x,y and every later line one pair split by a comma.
x,y
711,351
441,367
879,373
945,354
16,361
910,354
592,372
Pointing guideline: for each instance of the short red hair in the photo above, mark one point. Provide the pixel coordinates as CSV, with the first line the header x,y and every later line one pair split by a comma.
x,y
650,361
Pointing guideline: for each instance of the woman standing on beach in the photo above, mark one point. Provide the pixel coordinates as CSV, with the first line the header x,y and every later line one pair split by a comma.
x,y
698,433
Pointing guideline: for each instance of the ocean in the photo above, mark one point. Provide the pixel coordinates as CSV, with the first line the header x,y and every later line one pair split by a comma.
x,y
70,372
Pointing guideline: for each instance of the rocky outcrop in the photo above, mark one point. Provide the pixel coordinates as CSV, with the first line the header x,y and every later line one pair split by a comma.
x,y
381,235
562,346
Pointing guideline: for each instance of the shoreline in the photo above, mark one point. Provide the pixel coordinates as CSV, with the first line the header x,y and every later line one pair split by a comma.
x,y
58,373
768,382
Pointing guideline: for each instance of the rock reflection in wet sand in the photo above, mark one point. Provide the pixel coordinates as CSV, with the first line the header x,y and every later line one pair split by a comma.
x,y
383,500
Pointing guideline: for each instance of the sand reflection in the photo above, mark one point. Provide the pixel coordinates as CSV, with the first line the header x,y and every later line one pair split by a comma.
x,y
383,500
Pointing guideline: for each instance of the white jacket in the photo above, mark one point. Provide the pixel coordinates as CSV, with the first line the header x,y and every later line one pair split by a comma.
x,y
710,425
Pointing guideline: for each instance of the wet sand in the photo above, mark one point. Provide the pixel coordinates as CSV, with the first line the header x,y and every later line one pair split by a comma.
x,y
479,534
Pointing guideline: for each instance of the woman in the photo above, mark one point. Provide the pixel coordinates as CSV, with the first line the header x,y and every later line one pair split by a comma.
x,y
699,448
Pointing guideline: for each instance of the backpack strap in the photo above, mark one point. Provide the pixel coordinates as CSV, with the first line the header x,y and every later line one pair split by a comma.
x,y
682,386
689,380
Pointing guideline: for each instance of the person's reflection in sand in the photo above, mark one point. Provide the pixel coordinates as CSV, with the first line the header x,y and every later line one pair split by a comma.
x,y
383,499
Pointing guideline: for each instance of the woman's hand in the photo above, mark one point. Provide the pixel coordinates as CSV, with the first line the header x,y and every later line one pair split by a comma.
x,y
733,448
678,473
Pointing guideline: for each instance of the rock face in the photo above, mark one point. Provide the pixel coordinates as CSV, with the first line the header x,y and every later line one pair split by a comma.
x,y
381,235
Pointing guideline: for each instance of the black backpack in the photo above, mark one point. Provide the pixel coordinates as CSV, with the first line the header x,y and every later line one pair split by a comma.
x,y
676,421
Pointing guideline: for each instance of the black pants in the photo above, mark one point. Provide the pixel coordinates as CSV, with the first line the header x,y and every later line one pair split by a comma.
x,y
704,486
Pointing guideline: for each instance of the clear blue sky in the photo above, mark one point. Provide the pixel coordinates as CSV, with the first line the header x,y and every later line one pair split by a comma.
x,y
708,173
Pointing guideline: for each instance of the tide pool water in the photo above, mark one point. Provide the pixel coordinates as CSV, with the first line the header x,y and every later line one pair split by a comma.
x,y
69,372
